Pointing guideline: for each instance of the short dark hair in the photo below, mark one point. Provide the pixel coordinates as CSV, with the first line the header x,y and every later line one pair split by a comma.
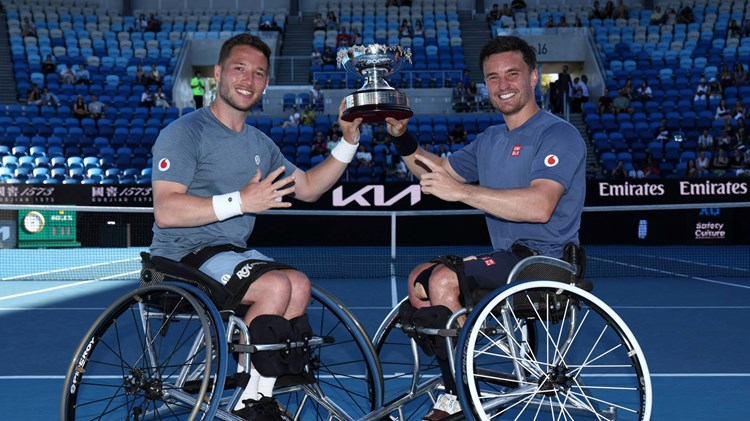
x,y
507,43
244,39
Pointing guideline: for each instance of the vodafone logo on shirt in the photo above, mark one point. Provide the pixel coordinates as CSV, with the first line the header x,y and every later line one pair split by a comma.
x,y
164,164
551,160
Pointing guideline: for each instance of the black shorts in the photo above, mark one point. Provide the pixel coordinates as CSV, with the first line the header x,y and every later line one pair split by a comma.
x,y
491,270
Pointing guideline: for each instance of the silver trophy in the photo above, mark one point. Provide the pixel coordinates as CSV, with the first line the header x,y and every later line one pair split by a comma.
x,y
375,100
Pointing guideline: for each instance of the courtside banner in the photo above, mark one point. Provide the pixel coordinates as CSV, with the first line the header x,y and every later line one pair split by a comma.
x,y
400,196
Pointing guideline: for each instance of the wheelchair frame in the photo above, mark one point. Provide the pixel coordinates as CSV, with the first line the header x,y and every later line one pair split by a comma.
x,y
500,363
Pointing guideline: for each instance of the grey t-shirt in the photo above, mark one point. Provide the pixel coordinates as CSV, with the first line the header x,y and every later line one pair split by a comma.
x,y
200,152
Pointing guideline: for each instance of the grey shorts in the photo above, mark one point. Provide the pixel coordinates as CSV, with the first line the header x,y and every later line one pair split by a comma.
x,y
222,265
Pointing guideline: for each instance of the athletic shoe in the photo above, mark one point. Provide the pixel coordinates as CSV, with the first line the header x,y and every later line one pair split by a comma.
x,y
445,406
263,409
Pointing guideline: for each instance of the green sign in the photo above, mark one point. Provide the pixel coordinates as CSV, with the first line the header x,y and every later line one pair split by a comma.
x,y
47,229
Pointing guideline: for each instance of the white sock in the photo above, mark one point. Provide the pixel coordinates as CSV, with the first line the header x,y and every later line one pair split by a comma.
x,y
251,390
265,386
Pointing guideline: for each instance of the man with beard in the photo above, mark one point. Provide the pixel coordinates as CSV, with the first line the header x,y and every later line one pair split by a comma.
x,y
213,174
527,175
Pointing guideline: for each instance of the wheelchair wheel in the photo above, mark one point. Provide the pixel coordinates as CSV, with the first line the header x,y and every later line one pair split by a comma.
x,y
410,377
585,364
349,381
151,355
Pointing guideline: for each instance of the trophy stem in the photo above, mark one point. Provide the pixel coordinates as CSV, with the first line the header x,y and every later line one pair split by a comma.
x,y
374,79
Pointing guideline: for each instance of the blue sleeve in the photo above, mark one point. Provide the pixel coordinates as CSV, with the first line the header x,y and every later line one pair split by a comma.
x,y
560,155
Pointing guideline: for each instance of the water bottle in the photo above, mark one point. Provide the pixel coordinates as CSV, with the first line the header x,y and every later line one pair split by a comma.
x,y
642,229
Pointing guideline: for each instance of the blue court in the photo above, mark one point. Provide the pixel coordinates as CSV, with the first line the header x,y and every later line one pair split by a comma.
x,y
692,329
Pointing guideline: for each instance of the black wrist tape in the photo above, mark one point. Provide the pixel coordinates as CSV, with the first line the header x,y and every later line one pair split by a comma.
x,y
405,144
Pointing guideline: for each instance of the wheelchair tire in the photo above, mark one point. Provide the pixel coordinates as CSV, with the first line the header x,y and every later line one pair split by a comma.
x,y
153,354
348,378
586,366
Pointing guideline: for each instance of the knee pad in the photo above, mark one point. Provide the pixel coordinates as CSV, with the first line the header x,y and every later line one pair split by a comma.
x,y
424,279
433,317
302,331
270,329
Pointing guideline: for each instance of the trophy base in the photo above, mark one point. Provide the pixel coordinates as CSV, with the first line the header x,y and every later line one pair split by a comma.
x,y
376,113
374,105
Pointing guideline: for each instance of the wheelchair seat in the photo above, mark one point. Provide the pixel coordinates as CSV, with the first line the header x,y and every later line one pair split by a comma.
x,y
157,269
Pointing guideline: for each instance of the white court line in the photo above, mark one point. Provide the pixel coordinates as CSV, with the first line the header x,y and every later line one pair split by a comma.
x,y
29,275
59,287
673,274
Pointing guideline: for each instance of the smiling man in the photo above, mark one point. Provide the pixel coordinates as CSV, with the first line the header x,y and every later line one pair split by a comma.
x,y
212,174
528,177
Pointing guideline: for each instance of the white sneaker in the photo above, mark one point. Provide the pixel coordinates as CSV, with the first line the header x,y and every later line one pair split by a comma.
x,y
445,406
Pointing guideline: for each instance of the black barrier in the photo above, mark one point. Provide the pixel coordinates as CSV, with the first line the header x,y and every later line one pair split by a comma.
x,y
402,196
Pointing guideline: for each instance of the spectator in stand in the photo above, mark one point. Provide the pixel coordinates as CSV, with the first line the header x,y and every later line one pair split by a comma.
x,y
356,38
458,136
636,171
80,110
82,74
140,74
596,11
720,163
706,141
141,23
307,118
329,56
564,88
153,24
657,16
316,59
319,23
662,133
577,23
550,22
160,99
319,144
726,77
494,14
714,89
198,87
459,98
317,98
609,10
650,167
621,11
746,28
518,5
737,161
701,91
294,118
96,107
363,156
443,152
147,98
343,39
506,16
48,65
418,28
67,76
405,29
686,15
48,98
722,111
670,16
331,21
33,95
703,163
734,30
28,29
605,105
591,172
644,93
739,75
621,103
619,170
472,96
738,112
563,22
154,76
691,170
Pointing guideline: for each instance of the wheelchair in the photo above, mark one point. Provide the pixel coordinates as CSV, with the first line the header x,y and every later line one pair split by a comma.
x,y
540,347
168,351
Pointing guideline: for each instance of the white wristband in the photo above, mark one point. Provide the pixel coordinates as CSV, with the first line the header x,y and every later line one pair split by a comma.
x,y
227,205
344,151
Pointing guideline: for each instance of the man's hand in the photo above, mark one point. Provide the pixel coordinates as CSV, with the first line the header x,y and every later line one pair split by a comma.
x,y
261,195
350,129
438,182
396,128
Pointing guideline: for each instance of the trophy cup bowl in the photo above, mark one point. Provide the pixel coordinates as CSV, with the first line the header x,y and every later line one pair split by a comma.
x,y
375,100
